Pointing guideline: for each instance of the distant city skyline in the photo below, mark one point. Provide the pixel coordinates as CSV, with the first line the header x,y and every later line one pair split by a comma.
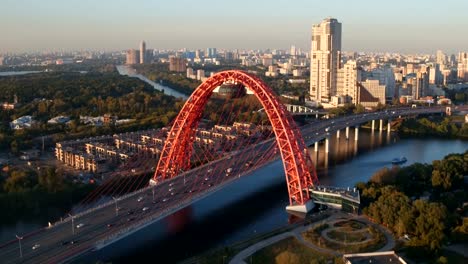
x,y
397,26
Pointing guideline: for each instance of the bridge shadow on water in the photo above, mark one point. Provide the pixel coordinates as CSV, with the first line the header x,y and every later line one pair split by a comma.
x,y
190,237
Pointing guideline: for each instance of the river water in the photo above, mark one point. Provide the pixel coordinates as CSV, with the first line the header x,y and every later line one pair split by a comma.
x,y
11,73
126,70
262,208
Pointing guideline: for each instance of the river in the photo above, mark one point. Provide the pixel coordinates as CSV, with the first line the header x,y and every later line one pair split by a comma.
x,y
126,70
11,73
263,210
209,223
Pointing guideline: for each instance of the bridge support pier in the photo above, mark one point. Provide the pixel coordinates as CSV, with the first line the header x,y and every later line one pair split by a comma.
x,y
381,125
301,208
347,133
373,125
389,126
356,133
316,146
327,145
338,134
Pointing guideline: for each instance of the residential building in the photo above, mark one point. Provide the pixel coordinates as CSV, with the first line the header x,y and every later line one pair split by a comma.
x,y
462,68
132,57
325,59
142,52
177,64
347,80
371,93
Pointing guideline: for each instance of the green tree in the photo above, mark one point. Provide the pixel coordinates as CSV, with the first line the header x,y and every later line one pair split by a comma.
x,y
50,180
18,181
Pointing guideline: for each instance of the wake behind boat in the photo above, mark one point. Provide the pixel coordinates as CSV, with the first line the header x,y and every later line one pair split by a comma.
x,y
397,161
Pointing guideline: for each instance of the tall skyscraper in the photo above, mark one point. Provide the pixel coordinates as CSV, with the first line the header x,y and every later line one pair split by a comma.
x,y
325,59
142,52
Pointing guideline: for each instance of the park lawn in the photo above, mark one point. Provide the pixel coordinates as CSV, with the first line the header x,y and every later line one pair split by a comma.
x,y
288,251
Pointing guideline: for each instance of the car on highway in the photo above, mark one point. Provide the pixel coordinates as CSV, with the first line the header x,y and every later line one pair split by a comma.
x,y
171,189
145,209
209,170
36,246
80,225
73,242
165,199
130,212
140,199
110,225
206,178
170,184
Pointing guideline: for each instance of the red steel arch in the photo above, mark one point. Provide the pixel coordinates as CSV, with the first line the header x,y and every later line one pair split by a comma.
x,y
298,167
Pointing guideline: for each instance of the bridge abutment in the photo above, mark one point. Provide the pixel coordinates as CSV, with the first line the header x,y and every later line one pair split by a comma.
x,y
301,208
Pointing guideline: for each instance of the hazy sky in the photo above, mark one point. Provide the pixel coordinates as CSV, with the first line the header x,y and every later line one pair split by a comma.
x,y
368,25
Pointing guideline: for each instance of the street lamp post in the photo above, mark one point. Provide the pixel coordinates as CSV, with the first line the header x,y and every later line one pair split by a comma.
x,y
73,223
116,208
19,241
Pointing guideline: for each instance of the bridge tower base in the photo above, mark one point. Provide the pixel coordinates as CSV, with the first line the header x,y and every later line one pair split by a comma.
x,y
304,208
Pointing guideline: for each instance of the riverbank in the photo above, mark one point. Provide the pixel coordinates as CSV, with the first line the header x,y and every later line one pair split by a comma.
x,y
128,71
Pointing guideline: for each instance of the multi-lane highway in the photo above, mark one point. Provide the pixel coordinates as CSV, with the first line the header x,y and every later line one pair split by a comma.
x,y
115,219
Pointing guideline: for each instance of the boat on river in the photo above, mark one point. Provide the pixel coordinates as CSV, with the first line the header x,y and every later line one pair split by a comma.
x,y
397,161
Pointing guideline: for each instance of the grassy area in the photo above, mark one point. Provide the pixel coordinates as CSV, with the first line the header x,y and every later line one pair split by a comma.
x,y
219,255
377,239
288,251
351,224
347,237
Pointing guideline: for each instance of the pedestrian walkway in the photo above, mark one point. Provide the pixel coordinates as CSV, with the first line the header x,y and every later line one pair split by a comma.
x,y
297,233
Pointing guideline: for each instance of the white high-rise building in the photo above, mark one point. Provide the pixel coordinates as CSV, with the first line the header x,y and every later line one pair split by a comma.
x,y
293,51
347,80
325,59
142,52
200,74
441,59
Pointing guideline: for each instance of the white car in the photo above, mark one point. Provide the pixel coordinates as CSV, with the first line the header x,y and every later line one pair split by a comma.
x,y
36,246
165,199
79,225
145,208
140,199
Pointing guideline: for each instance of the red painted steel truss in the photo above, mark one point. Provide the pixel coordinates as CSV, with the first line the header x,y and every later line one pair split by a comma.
x,y
298,167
